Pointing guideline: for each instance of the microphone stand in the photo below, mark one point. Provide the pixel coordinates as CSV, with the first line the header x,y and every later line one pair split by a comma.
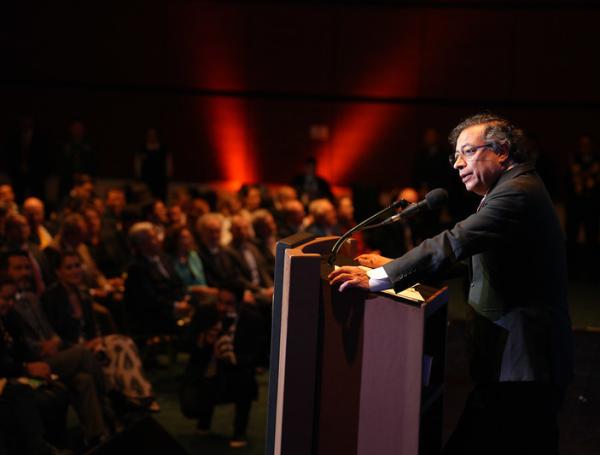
x,y
336,247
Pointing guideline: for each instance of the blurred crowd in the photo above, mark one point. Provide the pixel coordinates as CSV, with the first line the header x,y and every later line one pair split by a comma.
x,y
91,291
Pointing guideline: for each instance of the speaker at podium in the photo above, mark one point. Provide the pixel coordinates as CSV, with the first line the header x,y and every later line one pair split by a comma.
x,y
352,372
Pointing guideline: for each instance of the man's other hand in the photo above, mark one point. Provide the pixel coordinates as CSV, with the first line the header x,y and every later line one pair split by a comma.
x,y
372,260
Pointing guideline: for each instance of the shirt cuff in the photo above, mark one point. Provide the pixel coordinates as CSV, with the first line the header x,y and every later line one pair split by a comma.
x,y
379,280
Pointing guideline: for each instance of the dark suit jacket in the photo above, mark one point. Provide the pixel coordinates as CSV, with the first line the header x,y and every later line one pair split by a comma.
x,y
57,307
149,296
266,280
520,327
222,270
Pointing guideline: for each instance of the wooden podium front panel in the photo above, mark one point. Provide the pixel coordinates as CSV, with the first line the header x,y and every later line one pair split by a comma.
x,y
390,399
369,388
340,365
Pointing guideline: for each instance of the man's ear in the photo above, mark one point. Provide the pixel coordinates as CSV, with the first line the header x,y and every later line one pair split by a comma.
x,y
503,152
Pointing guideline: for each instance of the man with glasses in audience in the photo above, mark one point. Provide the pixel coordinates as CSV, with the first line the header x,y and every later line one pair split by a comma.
x,y
520,341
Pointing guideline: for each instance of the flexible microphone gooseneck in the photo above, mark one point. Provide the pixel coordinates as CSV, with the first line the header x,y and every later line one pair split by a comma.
x,y
336,247
434,200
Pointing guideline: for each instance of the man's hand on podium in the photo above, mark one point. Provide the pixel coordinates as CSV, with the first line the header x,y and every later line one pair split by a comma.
x,y
349,277
372,260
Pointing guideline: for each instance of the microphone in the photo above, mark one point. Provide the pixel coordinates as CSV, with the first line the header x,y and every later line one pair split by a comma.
x,y
360,226
434,200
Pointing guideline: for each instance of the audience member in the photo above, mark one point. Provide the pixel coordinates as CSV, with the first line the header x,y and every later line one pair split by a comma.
x,y
251,197
31,417
292,219
80,373
27,161
71,238
583,207
80,195
219,266
284,194
105,247
115,205
78,157
197,207
400,237
156,213
7,198
248,260
324,218
180,246
228,205
72,314
17,234
226,345
154,165
34,211
309,185
176,216
154,293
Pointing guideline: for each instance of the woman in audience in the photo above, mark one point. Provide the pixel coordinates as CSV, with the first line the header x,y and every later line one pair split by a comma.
x,y
180,246
70,311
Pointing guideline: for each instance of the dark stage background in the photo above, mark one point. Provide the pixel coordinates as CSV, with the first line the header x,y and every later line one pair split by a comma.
x,y
234,88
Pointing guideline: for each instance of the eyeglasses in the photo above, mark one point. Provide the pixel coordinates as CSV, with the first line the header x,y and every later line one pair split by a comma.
x,y
468,153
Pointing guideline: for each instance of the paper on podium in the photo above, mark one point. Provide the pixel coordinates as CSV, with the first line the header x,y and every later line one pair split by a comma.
x,y
409,293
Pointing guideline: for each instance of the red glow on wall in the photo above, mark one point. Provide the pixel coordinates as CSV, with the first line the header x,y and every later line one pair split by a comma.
x,y
360,126
230,136
217,34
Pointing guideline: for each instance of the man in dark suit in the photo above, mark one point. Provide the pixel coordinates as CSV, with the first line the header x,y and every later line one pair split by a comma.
x,y
154,294
521,344
249,260
17,232
220,267
28,416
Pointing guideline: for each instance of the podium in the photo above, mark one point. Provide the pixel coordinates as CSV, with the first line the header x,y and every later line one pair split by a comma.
x,y
351,372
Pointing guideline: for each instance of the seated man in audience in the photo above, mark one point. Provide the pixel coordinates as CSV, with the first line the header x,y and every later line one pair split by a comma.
x,y
324,218
292,219
197,207
34,211
7,198
176,215
220,267
114,205
154,295
30,417
105,247
39,347
249,261
17,233
71,237
156,213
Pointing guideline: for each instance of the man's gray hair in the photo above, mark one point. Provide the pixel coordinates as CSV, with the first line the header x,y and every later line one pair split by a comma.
x,y
205,219
499,131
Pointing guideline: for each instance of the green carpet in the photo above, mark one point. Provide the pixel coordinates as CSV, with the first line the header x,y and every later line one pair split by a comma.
x,y
184,430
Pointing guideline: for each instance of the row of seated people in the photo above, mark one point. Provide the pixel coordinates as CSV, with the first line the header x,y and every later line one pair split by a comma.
x,y
55,344
148,275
